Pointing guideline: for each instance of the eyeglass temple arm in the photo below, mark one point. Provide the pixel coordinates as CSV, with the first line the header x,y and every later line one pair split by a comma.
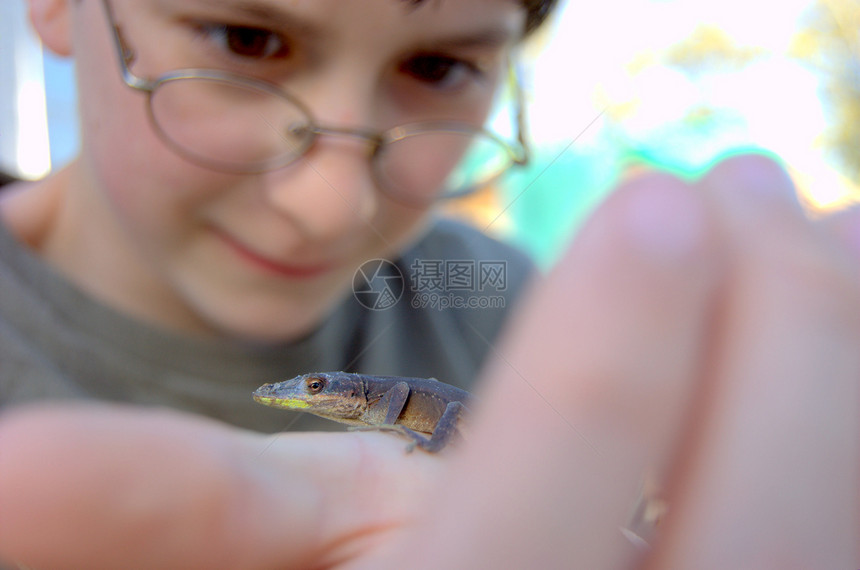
x,y
520,113
124,53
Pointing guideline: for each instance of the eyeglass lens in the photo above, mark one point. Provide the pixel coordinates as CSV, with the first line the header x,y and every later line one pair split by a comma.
x,y
241,127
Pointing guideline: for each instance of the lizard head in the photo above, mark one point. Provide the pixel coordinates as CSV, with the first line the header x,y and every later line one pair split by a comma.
x,y
334,395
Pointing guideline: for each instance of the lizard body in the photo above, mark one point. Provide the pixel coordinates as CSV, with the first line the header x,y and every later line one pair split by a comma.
x,y
411,406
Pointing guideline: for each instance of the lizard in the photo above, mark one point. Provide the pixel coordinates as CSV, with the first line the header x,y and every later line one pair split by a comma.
x,y
414,407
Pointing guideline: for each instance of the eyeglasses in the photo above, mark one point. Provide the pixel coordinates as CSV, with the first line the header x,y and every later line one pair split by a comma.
x,y
238,124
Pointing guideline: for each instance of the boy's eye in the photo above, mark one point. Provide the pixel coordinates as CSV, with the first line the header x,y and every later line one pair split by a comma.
x,y
246,41
438,70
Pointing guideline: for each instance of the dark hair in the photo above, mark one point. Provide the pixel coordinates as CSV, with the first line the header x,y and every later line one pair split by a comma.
x,y
536,12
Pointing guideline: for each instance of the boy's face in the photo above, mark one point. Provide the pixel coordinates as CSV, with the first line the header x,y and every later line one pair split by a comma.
x,y
266,256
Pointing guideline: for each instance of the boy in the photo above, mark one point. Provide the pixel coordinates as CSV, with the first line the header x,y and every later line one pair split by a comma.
x,y
205,240
707,335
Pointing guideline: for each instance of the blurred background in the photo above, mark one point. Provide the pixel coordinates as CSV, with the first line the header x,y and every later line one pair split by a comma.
x,y
613,88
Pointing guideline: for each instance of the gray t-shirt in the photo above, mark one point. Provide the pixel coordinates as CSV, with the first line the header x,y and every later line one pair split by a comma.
x,y
57,342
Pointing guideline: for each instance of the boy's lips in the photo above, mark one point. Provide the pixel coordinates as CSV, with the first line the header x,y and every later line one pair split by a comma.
x,y
300,271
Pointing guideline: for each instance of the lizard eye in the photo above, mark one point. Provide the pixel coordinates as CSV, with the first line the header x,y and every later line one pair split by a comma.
x,y
315,385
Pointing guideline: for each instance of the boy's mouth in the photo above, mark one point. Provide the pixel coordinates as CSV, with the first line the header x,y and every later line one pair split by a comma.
x,y
249,256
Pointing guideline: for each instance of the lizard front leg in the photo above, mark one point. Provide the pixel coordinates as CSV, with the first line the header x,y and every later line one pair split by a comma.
x,y
446,428
383,415
388,408
445,431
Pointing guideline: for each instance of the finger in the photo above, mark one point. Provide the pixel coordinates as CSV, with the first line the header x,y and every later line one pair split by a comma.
x,y
586,392
772,480
158,489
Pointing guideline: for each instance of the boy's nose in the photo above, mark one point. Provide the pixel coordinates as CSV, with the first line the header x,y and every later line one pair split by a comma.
x,y
329,193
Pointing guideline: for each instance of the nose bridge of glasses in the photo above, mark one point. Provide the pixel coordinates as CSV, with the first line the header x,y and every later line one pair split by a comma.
x,y
372,139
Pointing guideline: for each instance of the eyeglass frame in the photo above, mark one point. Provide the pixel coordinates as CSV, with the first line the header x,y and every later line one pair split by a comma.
x,y
377,139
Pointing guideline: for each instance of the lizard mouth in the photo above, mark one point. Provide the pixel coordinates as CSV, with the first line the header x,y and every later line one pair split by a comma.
x,y
287,403
268,396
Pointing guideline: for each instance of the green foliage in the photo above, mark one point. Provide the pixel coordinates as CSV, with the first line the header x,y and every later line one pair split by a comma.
x,y
710,49
830,41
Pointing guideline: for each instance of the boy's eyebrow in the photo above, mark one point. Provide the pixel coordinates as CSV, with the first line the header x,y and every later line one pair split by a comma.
x,y
486,38
267,13
273,16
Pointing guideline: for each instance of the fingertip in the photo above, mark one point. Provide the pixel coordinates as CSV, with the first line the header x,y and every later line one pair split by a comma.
x,y
652,218
755,177
662,217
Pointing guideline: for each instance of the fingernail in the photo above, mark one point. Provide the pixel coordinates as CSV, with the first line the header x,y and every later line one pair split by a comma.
x,y
665,219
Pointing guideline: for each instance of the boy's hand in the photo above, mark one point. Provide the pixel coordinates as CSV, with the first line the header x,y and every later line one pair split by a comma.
x,y
101,486
706,337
